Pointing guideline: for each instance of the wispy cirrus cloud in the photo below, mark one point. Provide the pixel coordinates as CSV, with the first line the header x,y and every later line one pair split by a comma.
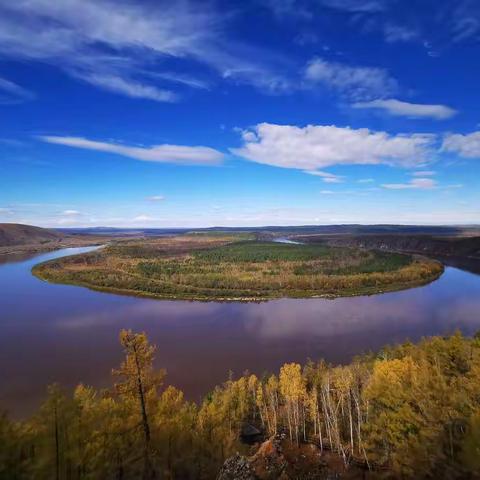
x,y
181,79
366,180
80,36
68,217
71,213
357,83
289,8
126,47
398,33
306,10
415,183
315,147
143,218
178,154
327,177
356,6
406,109
424,173
6,211
10,92
464,20
128,87
454,21
155,198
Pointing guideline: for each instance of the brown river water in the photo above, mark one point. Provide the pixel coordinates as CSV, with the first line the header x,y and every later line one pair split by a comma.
x,y
57,333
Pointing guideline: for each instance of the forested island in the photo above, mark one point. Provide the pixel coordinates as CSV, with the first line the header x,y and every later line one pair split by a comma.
x,y
410,411
238,266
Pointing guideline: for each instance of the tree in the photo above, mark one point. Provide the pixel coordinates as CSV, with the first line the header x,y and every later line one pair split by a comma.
x,y
14,450
174,425
138,381
471,444
292,388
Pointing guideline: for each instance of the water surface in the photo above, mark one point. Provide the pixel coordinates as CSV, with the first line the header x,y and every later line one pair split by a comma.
x,y
66,334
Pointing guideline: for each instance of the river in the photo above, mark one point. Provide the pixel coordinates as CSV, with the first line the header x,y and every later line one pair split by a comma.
x,y
66,334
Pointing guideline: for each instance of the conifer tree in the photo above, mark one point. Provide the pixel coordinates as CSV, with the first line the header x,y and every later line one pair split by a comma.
x,y
137,382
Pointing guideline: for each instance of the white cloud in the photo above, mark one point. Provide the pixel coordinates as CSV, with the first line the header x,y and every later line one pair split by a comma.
x,y
406,109
315,147
12,93
156,198
143,218
68,217
355,82
423,173
467,146
416,183
128,87
326,176
178,154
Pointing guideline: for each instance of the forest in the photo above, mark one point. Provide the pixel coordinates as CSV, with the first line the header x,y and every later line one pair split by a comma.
x,y
238,267
408,411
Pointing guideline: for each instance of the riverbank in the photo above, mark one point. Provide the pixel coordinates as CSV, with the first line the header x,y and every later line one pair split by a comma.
x,y
35,248
227,269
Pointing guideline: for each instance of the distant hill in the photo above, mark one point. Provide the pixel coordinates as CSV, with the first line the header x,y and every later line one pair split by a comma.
x,y
268,231
18,234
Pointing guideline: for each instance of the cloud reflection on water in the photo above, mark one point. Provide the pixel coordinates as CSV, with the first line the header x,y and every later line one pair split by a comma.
x,y
70,334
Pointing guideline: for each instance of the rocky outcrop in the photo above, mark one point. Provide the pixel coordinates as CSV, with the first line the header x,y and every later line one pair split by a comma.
x,y
267,463
279,459
236,468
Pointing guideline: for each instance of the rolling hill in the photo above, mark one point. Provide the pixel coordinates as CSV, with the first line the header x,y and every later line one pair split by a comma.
x,y
17,234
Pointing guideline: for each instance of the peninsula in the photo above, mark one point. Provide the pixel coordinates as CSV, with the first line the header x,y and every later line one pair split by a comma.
x,y
229,266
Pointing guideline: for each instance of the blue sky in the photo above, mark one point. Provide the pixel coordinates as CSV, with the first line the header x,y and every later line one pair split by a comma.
x,y
259,112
